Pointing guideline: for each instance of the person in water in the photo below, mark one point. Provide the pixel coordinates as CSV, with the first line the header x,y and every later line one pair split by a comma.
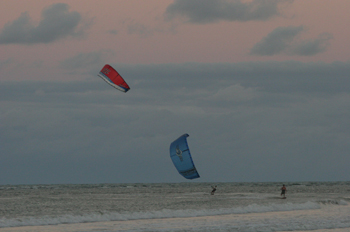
x,y
214,189
283,189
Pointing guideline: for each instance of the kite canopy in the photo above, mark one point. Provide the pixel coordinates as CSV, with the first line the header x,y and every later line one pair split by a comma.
x,y
181,157
112,77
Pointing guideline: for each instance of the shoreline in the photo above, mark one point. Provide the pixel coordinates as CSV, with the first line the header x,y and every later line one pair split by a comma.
x,y
224,222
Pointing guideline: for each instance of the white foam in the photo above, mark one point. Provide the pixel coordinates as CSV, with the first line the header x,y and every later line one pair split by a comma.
x,y
331,218
166,213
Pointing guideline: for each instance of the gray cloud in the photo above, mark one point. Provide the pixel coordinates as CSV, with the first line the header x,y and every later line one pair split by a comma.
x,y
4,63
113,32
209,11
86,61
283,40
143,30
138,28
277,41
57,22
253,120
312,47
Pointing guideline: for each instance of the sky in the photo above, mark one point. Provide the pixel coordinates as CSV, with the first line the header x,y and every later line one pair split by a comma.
x,y
261,87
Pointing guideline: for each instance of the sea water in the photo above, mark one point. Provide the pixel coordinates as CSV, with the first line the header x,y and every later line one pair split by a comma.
x,y
321,206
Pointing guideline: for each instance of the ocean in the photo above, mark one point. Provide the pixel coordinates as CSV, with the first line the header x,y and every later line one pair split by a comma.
x,y
309,206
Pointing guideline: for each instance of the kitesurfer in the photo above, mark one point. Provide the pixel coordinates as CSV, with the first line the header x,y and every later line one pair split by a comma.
x,y
283,189
214,189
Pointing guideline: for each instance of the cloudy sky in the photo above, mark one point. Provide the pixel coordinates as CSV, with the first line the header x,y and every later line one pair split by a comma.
x,y
261,86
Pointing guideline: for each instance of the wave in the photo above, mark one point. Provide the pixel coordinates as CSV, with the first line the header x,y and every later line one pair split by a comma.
x,y
166,213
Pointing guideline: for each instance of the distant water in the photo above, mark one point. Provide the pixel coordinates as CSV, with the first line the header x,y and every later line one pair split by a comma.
x,y
176,207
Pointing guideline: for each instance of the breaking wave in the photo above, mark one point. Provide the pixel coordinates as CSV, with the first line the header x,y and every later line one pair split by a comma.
x,y
166,213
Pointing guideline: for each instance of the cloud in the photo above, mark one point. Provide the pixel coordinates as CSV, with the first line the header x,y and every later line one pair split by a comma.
x,y
86,61
145,30
211,11
140,29
277,41
5,63
283,40
113,32
235,93
312,47
57,22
